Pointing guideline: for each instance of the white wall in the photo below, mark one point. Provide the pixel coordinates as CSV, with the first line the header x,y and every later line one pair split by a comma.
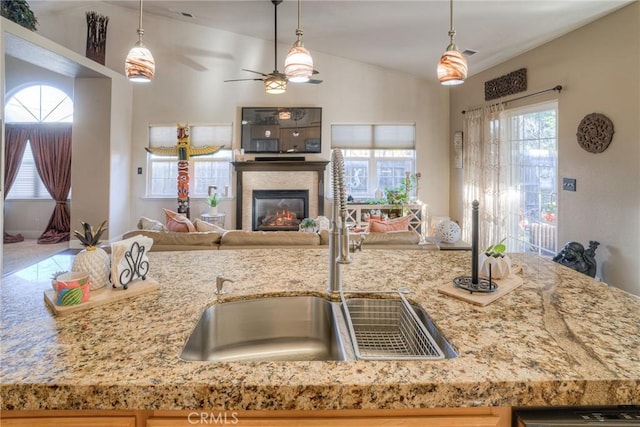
x,y
192,61
599,67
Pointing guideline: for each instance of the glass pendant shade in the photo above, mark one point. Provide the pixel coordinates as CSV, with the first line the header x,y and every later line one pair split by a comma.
x,y
139,65
452,68
275,84
298,66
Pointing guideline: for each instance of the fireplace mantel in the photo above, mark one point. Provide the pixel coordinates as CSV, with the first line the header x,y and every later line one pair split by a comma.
x,y
277,166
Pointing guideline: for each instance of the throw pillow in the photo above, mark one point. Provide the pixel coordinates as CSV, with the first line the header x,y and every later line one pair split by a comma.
x,y
396,224
206,226
178,222
150,224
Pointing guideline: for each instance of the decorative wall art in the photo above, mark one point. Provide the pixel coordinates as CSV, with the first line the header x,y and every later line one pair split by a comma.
x,y
511,83
96,36
595,132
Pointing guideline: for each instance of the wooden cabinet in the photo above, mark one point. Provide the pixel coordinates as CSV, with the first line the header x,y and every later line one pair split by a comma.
x,y
460,417
438,417
69,419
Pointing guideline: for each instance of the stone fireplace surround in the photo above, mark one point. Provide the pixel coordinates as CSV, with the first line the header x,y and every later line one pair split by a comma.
x,y
277,175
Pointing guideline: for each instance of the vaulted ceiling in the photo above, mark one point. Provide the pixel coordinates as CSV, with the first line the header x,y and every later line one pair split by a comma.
x,y
402,35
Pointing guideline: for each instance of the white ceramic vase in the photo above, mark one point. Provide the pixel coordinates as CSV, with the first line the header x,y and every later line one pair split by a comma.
x,y
500,266
213,210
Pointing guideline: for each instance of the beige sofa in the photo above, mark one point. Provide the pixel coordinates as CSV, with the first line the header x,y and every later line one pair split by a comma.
x,y
241,239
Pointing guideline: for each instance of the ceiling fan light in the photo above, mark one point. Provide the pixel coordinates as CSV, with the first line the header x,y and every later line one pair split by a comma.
x,y
298,66
275,84
139,65
452,67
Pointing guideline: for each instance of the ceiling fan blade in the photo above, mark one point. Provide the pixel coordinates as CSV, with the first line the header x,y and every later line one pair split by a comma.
x,y
257,72
244,80
314,82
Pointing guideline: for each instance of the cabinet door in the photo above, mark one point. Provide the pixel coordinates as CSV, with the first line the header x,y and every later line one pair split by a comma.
x,y
463,417
70,422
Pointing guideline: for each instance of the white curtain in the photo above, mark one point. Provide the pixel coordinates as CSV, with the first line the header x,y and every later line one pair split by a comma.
x,y
486,171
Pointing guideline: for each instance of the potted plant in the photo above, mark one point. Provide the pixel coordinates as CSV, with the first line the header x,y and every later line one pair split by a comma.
x,y
212,200
308,225
495,261
92,259
19,12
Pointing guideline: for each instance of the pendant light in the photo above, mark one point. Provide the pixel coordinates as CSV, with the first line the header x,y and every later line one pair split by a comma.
x,y
139,65
452,68
298,66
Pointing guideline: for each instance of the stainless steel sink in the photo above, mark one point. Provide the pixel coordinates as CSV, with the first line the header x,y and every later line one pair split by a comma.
x,y
272,328
286,328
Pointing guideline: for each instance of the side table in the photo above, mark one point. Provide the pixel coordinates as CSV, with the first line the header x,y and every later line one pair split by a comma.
x,y
216,219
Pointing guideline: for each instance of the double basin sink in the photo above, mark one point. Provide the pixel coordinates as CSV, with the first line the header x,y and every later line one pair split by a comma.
x,y
283,328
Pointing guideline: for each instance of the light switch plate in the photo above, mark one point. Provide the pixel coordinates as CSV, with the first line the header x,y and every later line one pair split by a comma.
x,y
569,184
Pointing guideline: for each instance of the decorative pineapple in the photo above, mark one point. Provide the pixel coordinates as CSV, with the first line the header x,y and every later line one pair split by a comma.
x,y
92,259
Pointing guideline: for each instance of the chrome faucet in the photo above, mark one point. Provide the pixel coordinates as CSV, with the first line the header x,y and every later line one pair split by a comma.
x,y
220,284
338,232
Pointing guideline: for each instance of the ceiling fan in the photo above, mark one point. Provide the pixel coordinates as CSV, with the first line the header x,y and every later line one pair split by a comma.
x,y
274,82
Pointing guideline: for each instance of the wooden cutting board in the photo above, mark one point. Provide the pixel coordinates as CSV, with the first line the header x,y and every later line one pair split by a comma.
x,y
505,286
102,296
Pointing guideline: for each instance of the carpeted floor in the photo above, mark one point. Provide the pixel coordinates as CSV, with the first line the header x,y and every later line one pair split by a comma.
x,y
16,256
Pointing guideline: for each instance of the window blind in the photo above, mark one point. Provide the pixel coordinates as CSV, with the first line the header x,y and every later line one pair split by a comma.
x,y
199,135
381,137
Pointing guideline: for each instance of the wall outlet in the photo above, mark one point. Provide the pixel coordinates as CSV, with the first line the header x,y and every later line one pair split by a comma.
x,y
569,184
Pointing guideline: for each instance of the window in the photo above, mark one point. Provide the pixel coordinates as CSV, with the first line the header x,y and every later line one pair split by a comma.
x,y
206,170
532,136
35,104
375,156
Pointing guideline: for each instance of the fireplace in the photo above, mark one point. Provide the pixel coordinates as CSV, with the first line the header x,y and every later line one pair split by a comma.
x,y
278,175
279,209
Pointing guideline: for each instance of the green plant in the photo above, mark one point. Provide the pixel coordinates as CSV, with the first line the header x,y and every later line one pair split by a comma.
x,y
497,250
396,196
19,12
213,200
90,237
308,223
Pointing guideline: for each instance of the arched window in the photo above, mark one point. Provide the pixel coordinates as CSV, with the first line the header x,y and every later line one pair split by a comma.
x,y
35,104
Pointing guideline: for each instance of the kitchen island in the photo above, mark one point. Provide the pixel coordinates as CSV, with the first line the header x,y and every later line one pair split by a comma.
x,y
561,338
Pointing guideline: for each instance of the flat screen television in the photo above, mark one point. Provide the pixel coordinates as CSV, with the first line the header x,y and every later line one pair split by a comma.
x,y
279,130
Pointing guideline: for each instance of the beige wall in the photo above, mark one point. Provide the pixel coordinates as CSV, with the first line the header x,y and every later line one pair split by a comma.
x,y
599,67
192,61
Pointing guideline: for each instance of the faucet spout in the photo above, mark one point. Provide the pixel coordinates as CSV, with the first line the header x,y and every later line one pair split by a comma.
x,y
338,233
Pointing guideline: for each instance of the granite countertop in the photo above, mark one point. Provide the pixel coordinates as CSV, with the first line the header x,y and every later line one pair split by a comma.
x,y
559,339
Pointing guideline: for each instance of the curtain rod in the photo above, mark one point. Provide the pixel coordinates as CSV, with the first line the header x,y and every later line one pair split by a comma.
x,y
556,88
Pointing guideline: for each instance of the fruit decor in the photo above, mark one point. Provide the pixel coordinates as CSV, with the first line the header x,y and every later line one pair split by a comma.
x,y
90,237
19,12
92,260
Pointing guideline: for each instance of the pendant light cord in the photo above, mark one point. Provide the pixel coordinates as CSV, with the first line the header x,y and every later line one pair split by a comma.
x,y
451,30
140,30
275,35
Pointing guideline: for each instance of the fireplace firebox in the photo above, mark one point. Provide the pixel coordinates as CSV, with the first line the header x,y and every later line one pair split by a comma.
x,y
275,210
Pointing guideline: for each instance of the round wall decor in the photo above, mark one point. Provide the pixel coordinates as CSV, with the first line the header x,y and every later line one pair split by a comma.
x,y
595,132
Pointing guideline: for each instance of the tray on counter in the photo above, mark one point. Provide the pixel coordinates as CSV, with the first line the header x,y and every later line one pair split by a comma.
x,y
102,296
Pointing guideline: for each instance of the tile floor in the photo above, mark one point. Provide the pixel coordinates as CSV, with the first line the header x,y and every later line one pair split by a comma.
x,y
42,271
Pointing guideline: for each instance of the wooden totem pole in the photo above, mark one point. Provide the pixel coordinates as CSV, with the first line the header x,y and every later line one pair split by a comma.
x,y
184,151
